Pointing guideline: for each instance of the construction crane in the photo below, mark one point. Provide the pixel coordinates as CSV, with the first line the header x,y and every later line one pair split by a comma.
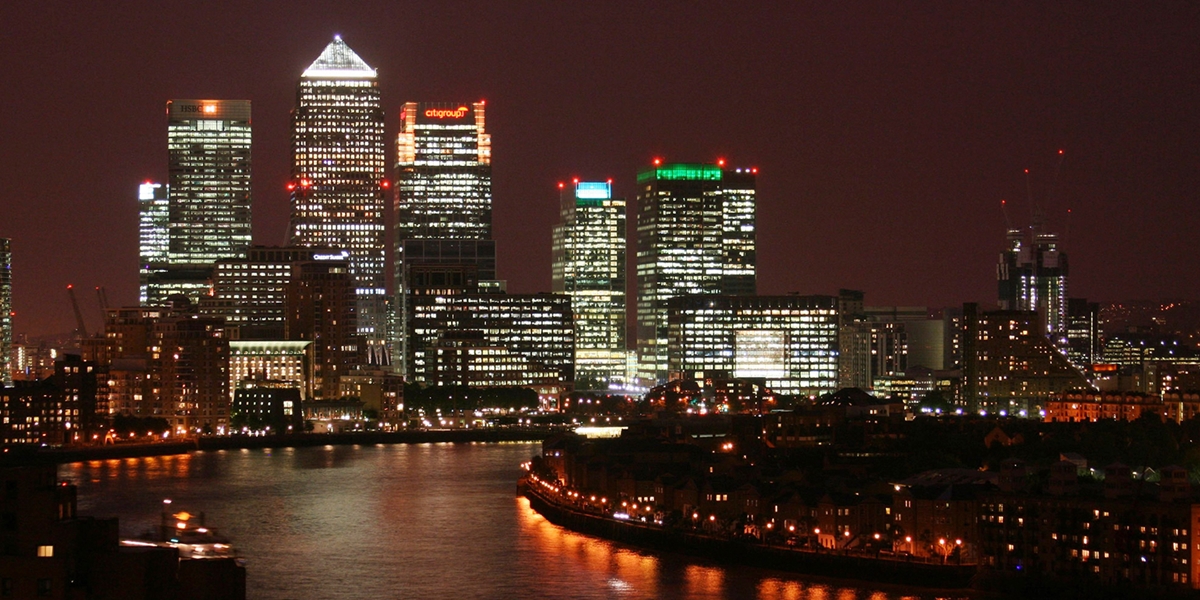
x,y
80,328
102,298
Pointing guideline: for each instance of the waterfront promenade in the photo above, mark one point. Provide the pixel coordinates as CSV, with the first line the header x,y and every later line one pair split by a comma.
x,y
556,504
299,440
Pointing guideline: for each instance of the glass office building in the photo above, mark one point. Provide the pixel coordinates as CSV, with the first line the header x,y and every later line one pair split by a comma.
x,y
153,221
589,267
337,185
202,215
789,342
695,235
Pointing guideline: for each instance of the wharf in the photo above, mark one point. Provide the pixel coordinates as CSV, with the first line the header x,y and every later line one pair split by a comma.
x,y
29,456
830,563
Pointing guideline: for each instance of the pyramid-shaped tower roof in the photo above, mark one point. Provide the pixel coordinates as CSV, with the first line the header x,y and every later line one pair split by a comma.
x,y
339,61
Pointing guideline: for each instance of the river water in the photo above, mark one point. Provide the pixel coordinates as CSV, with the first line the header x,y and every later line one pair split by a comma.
x,y
409,521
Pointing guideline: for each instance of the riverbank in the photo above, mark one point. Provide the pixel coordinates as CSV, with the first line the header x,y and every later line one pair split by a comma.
x,y
933,576
31,456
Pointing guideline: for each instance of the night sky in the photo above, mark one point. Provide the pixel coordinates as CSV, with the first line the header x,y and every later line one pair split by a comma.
x,y
885,133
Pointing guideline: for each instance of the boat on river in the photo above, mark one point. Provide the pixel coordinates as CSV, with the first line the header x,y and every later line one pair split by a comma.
x,y
188,534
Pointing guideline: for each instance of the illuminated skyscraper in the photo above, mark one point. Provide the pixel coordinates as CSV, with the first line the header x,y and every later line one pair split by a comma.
x,y
6,312
338,174
152,234
208,202
443,199
695,235
589,266
1032,276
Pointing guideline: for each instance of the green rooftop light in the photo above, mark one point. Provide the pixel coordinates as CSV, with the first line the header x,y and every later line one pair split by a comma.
x,y
681,171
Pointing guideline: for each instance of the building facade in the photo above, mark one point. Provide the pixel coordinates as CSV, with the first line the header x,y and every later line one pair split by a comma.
x,y
1032,276
589,266
321,308
535,330
338,183
684,246
6,313
153,238
790,342
208,198
443,200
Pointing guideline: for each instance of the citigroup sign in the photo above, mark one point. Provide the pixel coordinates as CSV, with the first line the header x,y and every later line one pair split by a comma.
x,y
447,113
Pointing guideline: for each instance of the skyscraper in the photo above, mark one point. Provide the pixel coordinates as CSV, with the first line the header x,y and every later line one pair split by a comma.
x,y
695,235
589,266
6,313
153,220
444,172
1032,276
443,201
338,180
208,198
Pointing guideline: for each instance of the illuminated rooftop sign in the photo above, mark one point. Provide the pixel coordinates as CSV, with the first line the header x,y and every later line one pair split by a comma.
x,y
447,113
692,172
593,190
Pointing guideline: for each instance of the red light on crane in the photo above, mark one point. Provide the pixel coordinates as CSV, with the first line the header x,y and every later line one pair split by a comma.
x,y
560,185
291,186
657,161
720,162
385,184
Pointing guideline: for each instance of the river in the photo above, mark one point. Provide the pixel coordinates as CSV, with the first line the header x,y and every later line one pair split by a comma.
x,y
408,521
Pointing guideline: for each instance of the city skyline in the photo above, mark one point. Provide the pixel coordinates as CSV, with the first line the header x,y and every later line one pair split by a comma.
x,y
874,160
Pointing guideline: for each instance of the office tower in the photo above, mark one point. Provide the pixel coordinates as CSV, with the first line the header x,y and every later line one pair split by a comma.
x,y
500,334
321,307
6,313
684,246
443,192
208,198
789,342
250,291
1032,276
153,222
443,172
338,175
1083,333
589,266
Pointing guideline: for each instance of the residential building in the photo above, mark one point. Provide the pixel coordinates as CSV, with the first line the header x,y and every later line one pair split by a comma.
x,y
7,366
321,308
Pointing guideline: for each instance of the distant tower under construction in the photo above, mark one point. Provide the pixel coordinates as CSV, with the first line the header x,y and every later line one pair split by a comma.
x,y
1032,276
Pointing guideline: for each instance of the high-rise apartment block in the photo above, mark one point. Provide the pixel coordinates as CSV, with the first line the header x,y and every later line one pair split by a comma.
x,y
1032,276
338,183
207,199
321,307
1008,365
6,313
695,235
589,267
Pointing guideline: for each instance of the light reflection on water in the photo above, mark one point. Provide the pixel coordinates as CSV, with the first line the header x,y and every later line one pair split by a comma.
x,y
409,521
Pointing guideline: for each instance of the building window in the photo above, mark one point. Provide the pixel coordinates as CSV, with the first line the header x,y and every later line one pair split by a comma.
x,y
46,551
